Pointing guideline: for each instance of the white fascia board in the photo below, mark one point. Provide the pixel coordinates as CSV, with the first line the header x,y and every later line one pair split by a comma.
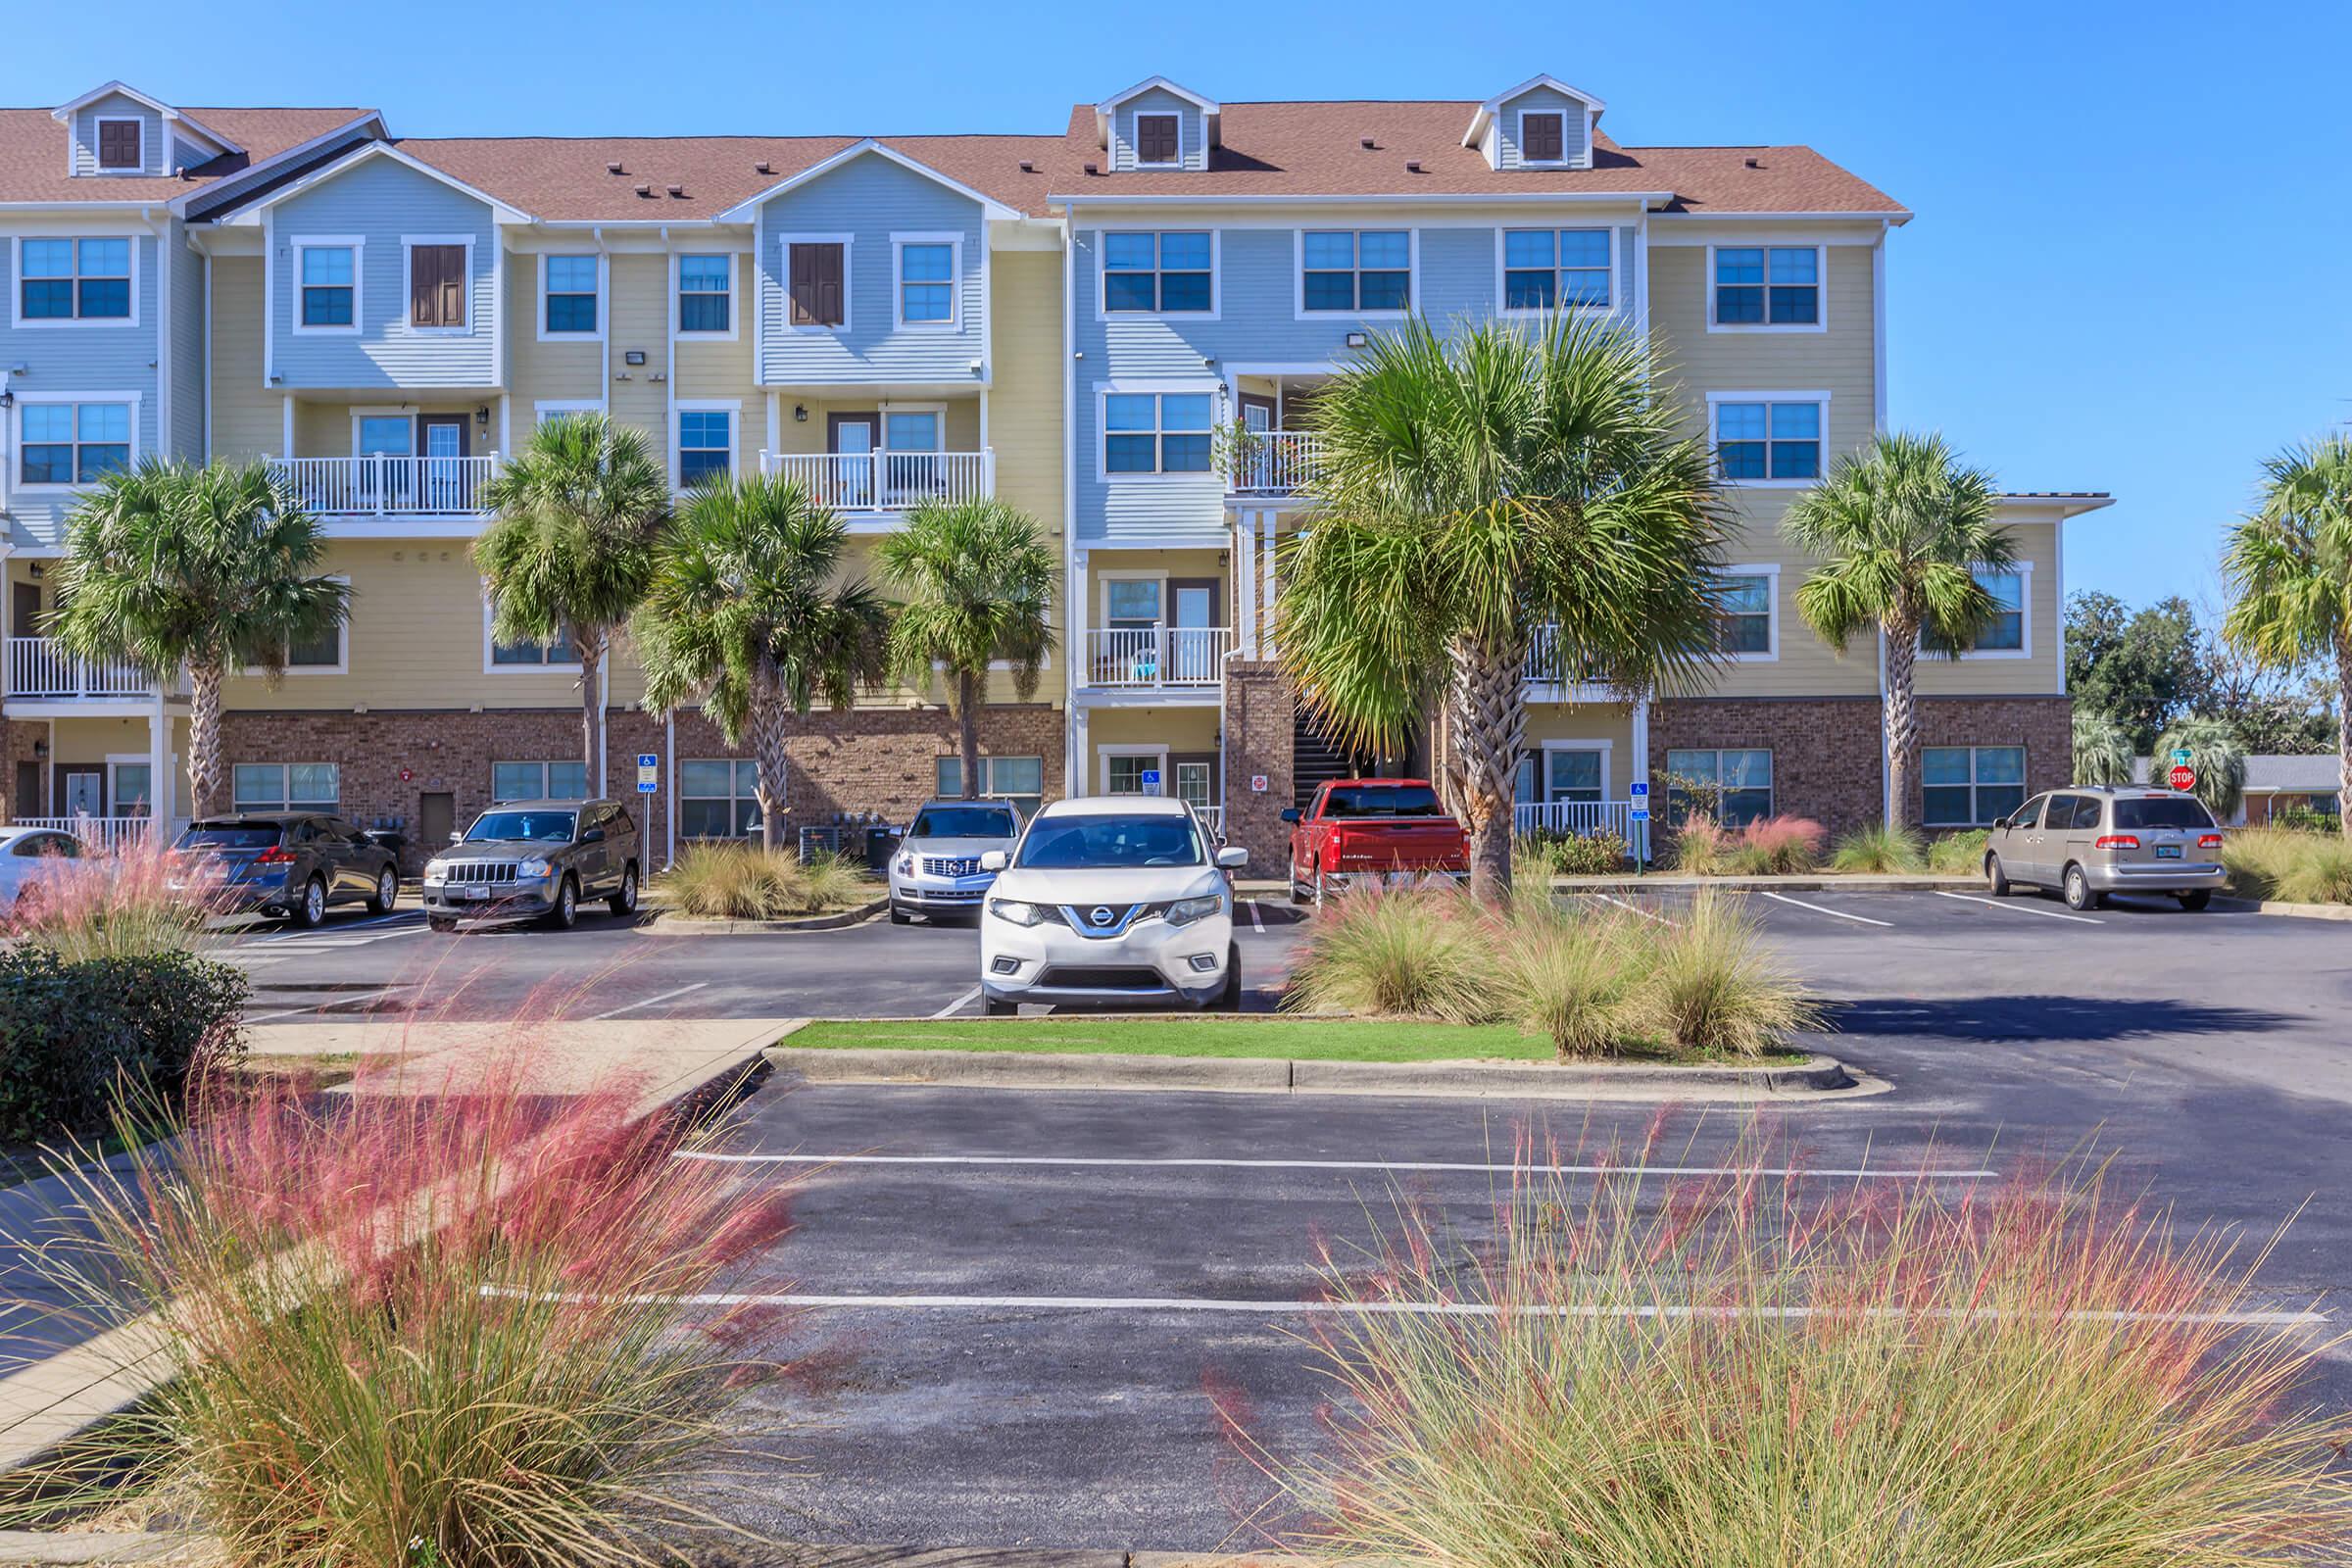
x,y
1514,198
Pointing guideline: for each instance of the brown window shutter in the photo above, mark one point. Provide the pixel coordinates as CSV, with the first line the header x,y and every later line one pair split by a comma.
x,y
118,145
828,284
1545,136
815,285
437,285
803,284
1157,138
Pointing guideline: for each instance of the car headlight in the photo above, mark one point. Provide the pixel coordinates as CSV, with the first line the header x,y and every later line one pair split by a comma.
x,y
528,870
435,871
1183,912
906,866
1016,911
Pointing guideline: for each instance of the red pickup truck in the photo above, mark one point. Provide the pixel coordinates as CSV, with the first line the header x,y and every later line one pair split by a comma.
x,y
1359,829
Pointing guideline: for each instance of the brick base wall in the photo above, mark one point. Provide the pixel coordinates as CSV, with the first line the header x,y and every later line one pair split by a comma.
x,y
1259,732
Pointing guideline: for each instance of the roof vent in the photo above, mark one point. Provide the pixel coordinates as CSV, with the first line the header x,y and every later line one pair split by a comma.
x,y
1091,170
677,191
645,190
1367,143
1412,166
1754,162
615,169
764,167
1028,167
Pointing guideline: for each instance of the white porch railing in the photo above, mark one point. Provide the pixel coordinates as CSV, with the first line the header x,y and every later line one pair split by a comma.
x,y
1584,818
388,487
103,832
1158,656
1212,817
886,481
39,666
1273,463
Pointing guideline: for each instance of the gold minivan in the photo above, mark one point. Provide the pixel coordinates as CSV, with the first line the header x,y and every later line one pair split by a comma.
x,y
2093,840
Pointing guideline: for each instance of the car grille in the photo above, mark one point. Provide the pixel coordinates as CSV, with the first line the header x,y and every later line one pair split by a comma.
x,y
1082,918
941,865
1102,977
480,872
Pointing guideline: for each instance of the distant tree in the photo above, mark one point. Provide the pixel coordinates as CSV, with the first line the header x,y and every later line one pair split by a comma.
x,y
2219,761
2103,752
2288,712
2137,667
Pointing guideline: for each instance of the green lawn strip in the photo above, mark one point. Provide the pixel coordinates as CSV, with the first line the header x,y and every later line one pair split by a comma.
x,y
1295,1039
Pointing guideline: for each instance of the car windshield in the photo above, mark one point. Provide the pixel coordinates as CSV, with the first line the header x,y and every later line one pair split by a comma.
x,y
545,827
962,822
2175,810
205,836
1110,843
1383,799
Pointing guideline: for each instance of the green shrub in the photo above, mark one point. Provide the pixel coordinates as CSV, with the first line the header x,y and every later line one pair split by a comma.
x,y
2293,868
1577,854
1878,848
1713,988
1575,977
1959,854
1418,952
80,1037
2303,819
725,881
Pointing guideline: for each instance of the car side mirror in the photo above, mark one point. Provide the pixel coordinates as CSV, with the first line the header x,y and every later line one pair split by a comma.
x,y
2000,824
456,837
994,860
595,835
1233,858
1290,813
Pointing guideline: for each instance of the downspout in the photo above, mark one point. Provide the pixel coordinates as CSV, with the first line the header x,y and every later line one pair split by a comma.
x,y
669,806
1073,761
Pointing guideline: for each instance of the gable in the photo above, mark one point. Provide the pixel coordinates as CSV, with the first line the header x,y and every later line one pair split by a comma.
x,y
1511,129
119,108
1157,103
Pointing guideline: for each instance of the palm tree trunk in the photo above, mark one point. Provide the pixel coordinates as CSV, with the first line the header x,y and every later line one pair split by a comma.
x,y
968,719
2343,732
592,708
768,723
1900,714
1486,721
204,739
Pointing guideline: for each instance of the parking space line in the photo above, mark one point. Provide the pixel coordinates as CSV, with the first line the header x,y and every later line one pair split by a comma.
x,y
1609,897
2018,908
1213,1162
644,1001
1257,921
958,1004
1820,909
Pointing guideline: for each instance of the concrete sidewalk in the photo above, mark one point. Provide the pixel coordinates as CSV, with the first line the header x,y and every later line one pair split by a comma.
x,y
45,1550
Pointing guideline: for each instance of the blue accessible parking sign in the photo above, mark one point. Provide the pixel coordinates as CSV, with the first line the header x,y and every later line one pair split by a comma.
x,y
1638,790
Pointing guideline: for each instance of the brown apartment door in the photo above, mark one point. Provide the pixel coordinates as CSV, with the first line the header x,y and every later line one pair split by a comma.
x,y
436,819
24,610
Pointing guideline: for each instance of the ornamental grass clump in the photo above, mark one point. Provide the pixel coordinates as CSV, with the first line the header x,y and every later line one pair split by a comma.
x,y
1573,976
1878,848
1775,845
465,1321
134,902
728,881
1959,854
1702,847
1759,1367
2290,865
1379,952
1711,986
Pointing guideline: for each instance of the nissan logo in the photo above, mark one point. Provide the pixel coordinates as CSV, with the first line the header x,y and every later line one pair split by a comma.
x,y
1102,914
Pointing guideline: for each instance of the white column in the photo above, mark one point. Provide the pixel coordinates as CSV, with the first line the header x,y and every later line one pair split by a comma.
x,y
670,797
1265,521
159,783
1244,584
286,406
1079,768
1079,596
1640,771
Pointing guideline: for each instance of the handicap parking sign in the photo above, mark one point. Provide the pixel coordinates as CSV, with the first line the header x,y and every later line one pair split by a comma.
x,y
1639,791
1151,781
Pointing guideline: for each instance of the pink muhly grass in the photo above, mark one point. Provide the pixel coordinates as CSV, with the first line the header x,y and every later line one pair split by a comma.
x,y
129,901
1768,1366
1775,846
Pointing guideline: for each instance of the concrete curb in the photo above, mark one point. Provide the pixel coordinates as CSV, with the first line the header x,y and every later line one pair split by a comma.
x,y
687,925
1809,883
1818,1074
41,1548
2299,912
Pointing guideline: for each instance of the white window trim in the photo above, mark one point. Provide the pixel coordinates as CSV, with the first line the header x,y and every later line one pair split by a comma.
x,y
1821,289
1135,135
539,315
677,273
44,323
2025,619
286,777
1519,134
849,307
14,480
1608,763
1717,399
1770,571
115,760
890,405
1412,274
542,765
358,246
407,273
1974,784
1103,391
1502,269
988,766
546,409
1105,577
897,283
342,663
98,124
490,643
1772,787
1110,749
730,796
383,412
730,407
1216,293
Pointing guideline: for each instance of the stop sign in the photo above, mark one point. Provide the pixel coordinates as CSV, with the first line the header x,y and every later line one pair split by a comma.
x,y
2182,778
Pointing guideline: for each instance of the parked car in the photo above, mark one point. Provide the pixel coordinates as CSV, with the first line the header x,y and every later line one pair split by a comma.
x,y
535,861
28,856
936,870
294,864
1118,900
2094,840
1372,829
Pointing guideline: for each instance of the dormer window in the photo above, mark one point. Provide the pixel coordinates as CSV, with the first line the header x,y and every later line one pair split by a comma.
x,y
1159,141
122,146
1542,136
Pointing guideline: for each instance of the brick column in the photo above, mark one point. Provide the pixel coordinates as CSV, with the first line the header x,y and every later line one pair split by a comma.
x,y
1258,729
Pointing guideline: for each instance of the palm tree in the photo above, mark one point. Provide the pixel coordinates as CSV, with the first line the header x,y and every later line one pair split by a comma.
x,y
745,614
975,583
172,566
2102,751
2216,756
2289,567
1469,492
569,551
1903,528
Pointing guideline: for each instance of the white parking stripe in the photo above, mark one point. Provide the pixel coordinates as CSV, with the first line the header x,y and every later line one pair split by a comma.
x,y
644,1001
1823,908
958,1004
1646,914
1257,921
2019,909
1210,1162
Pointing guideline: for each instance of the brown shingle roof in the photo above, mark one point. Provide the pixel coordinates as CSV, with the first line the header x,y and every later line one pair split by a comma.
x,y
33,153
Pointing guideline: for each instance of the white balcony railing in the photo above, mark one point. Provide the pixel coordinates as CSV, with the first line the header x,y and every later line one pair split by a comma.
x,y
1212,817
39,666
886,481
406,487
1158,656
1584,818
1272,462
103,832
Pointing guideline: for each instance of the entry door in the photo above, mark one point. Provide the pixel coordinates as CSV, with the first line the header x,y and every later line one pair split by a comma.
x,y
440,439
1194,781
24,610
85,793
436,819
1193,646
1258,417
851,438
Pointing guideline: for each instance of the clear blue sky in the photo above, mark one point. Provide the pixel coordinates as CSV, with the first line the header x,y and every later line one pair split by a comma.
x,y
2128,273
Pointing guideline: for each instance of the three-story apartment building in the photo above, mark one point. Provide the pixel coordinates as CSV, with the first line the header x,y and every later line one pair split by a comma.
x,y
1072,321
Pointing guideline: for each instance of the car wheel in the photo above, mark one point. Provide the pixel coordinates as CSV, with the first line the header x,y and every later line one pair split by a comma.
x,y
387,892
1230,998
898,916
441,922
1298,888
2078,894
1322,890
566,912
2195,899
310,909
624,897
1996,880
996,1007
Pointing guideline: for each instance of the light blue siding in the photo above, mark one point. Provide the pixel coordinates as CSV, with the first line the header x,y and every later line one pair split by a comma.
x,y
1193,127
379,200
188,347
868,199
1575,125
115,106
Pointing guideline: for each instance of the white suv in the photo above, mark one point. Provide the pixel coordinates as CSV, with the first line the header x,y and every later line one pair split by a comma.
x,y
1119,900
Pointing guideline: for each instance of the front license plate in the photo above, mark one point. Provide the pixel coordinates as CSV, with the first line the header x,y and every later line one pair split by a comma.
x,y
2168,851
475,892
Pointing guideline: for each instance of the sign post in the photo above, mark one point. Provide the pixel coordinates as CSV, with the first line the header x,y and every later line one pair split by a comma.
x,y
1638,814
2183,776
649,772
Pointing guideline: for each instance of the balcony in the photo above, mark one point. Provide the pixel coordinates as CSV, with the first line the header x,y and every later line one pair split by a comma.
x,y
883,486
1271,462
104,832
1157,658
39,670
1584,818
388,487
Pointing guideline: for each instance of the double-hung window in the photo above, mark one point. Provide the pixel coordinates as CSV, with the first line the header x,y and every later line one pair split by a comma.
x,y
1544,269
1168,273
927,283
1018,779
1768,440
75,280
2005,631
719,798
1743,615
1970,786
571,295
1360,271
555,652
1156,432
706,444
72,443
287,786
330,285
538,781
1735,784
1767,285
703,288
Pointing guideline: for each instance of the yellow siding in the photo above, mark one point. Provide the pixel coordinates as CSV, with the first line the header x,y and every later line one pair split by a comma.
x,y
1024,406
722,368
639,297
1592,723
1839,359
561,370
1988,675
1179,729
326,429
247,416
